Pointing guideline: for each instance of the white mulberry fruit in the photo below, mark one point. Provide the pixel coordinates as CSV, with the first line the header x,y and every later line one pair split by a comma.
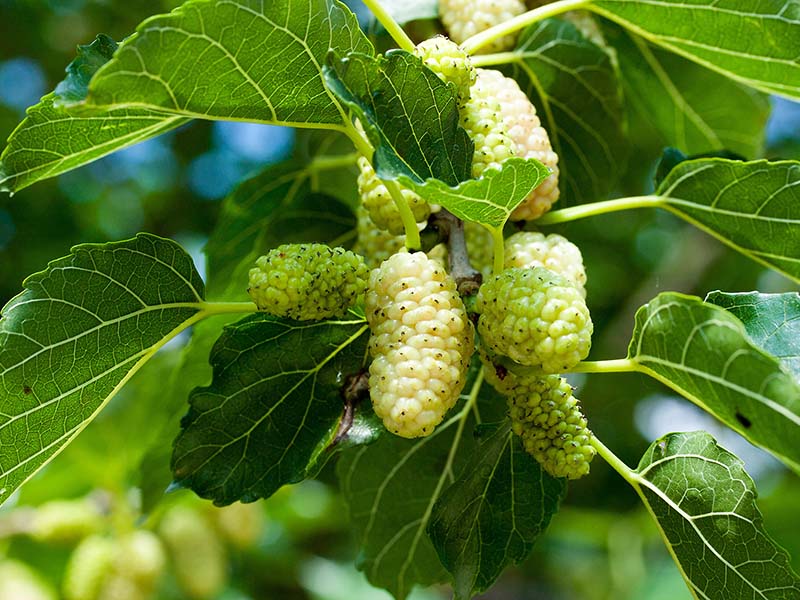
x,y
18,581
528,249
482,118
307,281
199,559
465,18
88,567
65,521
380,204
546,415
421,343
374,244
535,317
450,63
530,140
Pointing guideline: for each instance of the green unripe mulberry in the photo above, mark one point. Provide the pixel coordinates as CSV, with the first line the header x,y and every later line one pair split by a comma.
x,y
307,281
446,58
535,317
380,205
546,415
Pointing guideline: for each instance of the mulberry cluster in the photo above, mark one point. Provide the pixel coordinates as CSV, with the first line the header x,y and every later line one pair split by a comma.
x,y
380,204
421,343
465,18
548,418
535,317
307,281
528,249
482,118
446,58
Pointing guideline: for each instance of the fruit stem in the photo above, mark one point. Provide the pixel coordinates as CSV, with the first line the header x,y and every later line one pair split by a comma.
x,y
498,58
613,460
413,241
499,250
620,365
468,279
598,208
391,26
220,308
479,40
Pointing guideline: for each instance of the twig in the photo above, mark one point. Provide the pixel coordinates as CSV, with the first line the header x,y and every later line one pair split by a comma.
x,y
468,279
355,389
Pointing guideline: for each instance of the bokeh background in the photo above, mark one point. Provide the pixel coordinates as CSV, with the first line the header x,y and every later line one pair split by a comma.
x,y
601,546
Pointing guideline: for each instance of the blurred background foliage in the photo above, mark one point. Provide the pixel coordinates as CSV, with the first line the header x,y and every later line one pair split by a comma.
x,y
601,546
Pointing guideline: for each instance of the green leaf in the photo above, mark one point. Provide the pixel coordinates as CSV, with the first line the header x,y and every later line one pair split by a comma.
x,y
494,512
81,70
691,107
282,204
577,95
52,140
754,207
273,408
77,333
753,42
705,505
772,321
409,114
489,200
240,60
703,352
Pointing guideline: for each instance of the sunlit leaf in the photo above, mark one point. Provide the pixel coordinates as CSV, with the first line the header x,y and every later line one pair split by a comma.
x,y
754,42
705,504
77,333
772,322
704,352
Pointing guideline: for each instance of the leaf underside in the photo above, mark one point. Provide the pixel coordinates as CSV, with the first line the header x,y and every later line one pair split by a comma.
x,y
79,330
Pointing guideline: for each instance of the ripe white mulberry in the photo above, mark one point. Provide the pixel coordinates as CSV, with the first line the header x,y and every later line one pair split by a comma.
x,y
482,118
528,249
465,18
548,418
446,58
530,140
380,204
535,317
307,281
421,343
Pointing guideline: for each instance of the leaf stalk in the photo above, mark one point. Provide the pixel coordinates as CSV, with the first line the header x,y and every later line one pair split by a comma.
x,y
565,215
392,27
479,40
